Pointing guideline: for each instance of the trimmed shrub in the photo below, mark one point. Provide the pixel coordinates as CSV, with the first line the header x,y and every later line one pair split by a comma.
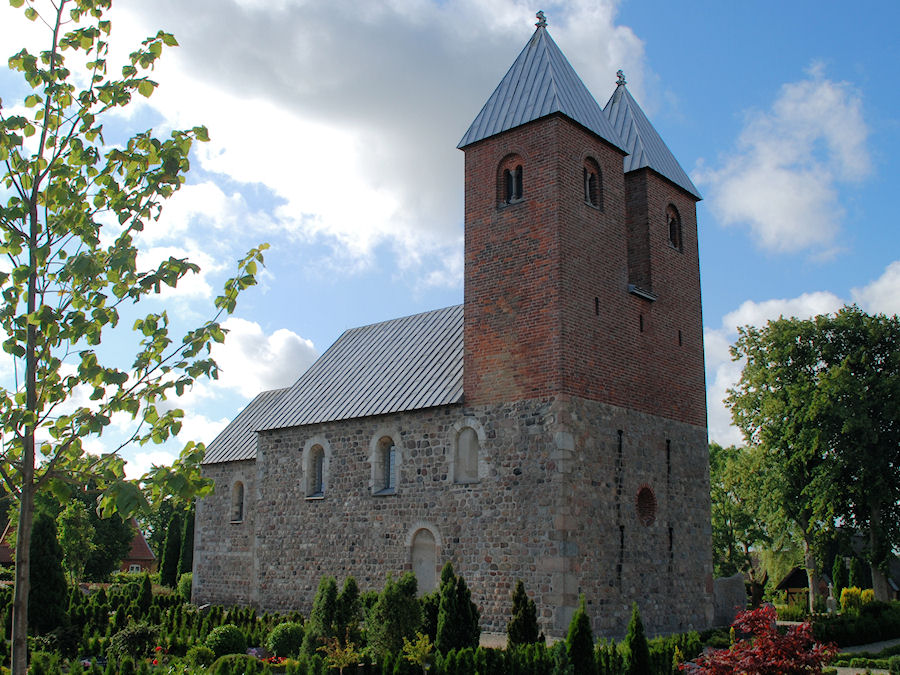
x,y
286,639
321,618
136,640
395,615
234,664
867,596
226,639
200,656
851,600
458,617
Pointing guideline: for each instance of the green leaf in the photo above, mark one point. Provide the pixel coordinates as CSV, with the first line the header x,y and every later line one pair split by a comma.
x,y
145,88
16,3
31,13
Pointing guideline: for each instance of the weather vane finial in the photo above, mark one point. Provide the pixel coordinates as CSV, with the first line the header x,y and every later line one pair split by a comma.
x,y
542,20
621,77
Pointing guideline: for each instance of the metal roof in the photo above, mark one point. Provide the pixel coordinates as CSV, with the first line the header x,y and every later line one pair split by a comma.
x,y
237,441
540,82
403,364
641,141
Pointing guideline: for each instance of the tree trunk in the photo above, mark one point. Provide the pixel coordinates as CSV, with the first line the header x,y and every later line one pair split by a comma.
x,y
19,657
809,561
879,580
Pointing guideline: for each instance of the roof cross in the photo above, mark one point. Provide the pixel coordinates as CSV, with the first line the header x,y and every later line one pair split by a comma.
x,y
542,20
621,77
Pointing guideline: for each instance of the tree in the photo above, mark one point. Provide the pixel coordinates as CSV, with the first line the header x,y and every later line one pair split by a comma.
x,y
348,612
321,618
838,575
580,641
523,628
821,397
636,645
49,599
770,404
76,538
737,527
168,566
63,285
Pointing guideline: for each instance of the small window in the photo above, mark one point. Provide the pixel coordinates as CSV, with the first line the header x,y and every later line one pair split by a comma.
x,y
674,222
513,181
465,465
386,467
510,180
645,505
316,475
593,185
134,568
237,502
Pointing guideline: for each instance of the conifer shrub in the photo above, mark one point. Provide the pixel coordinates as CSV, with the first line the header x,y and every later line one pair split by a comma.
x,y
235,664
838,576
855,576
395,615
636,648
185,583
851,600
867,596
286,639
348,612
431,603
523,627
48,597
321,618
580,641
226,639
458,616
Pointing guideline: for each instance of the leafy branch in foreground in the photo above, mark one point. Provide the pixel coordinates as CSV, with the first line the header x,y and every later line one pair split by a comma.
x,y
73,207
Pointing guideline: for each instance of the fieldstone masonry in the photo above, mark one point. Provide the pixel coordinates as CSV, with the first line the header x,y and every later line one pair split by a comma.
x,y
556,507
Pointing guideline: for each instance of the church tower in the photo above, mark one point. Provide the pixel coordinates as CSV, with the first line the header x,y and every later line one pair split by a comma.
x,y
582,309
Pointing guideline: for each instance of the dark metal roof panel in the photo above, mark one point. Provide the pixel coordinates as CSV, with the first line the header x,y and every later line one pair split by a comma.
x,y
643,143
540,82
237,441
404,364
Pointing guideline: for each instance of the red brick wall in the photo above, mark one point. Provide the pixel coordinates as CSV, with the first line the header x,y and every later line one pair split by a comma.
x,y
547,306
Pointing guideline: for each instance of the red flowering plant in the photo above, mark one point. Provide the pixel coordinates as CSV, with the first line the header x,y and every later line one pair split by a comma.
x,y
766,651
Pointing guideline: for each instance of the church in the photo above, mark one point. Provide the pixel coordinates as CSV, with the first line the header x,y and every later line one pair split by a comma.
x,y
552,428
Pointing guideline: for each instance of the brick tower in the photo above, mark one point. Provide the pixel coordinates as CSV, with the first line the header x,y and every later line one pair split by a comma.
x,y
582,302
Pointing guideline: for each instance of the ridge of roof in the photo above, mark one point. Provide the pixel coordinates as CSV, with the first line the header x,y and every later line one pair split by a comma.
x,y
540,82
401,364
644,145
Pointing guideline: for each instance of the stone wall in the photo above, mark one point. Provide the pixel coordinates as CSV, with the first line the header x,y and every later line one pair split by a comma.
x,y
556,505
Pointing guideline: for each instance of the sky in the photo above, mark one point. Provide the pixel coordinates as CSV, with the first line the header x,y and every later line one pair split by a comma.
x,y
334,125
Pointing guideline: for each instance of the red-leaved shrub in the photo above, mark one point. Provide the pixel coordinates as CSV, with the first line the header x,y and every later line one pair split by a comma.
x,y
766,651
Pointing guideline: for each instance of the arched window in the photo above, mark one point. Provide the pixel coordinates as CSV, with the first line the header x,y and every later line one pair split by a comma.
x,y
674,222
237,502
465,465
316,468
510,180
593,183
386,465
424,560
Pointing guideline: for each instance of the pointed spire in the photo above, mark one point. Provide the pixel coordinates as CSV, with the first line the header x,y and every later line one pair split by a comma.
x,y
645,147
540,82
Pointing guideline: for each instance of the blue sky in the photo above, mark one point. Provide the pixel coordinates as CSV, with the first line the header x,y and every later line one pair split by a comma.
x,y
334,128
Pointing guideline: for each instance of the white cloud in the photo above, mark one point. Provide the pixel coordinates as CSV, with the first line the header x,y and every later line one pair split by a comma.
x,y
192,285
782,180
141,461
251,361
883,294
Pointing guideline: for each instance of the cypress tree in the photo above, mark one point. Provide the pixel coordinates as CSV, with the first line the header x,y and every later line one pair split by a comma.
x,y
580,642
448,612
168,568
838,576
523,627
48,597
636,645
186,557
855,578
348,612
321,618
145,595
